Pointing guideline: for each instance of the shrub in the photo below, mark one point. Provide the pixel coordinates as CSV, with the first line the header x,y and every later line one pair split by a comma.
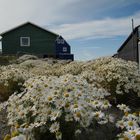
x,y
117,76
11,80
67,100
5,60
26,57
60,106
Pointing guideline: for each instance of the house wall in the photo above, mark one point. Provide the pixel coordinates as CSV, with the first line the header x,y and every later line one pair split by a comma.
x,y
41,42
139,53
128,52
60,43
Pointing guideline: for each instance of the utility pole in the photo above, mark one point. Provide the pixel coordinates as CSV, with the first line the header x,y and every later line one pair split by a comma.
x,y
133,47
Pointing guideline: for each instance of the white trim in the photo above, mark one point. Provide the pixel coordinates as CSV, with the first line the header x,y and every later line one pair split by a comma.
x,y
21,43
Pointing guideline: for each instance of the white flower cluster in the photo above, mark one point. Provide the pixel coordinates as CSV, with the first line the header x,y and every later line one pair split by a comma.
x,y
59,92
117,75
26,57
12,73
45,101
11,80
123,108
130,124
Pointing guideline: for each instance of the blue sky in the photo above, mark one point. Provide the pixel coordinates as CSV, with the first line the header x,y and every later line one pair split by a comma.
x,y
93,28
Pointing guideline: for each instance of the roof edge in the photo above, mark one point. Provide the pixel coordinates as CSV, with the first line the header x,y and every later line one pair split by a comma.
x,y
127,39
28,22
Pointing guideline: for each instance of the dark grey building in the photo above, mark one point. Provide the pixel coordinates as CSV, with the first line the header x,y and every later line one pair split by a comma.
x,y
130,49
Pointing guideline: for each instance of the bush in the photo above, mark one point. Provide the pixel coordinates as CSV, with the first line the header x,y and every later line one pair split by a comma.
x,y
5,60
11,80
60,106
67,100
26,57
117,76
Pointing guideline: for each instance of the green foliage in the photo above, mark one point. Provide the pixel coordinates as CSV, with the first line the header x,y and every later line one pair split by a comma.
x,y
10,88
5,60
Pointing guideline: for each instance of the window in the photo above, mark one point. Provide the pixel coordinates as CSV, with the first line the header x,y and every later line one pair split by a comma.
x,y
24,41
64,49
60,40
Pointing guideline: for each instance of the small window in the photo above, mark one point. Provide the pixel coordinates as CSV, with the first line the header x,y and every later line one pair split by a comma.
x,y
60,40
24,41
64,49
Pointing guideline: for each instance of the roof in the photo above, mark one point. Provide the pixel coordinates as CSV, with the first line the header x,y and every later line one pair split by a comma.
x,y
125,42
3,33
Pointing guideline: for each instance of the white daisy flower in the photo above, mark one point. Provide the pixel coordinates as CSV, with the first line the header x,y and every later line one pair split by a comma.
x,y
54,127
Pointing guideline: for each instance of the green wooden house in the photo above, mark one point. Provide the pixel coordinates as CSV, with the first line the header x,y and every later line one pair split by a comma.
x,y
29,38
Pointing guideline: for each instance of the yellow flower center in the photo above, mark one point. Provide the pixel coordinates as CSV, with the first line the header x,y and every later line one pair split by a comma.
x,y
75,106
55,114
26,126
65,80
49,112
50,98
78,114
97,115
21,114
66,95
17,125
15,133
133,132
125,138
46,85
126,114
67,105
135,114
58,133
130,123
106,103
79,94
96,103
39,89
55,92
7,137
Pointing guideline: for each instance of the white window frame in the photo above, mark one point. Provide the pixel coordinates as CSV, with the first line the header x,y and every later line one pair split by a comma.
x,y
64,49
60,40
21,43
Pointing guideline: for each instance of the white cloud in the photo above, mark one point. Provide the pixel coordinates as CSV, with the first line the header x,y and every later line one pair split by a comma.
x,y
45,12
105,28
48,12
